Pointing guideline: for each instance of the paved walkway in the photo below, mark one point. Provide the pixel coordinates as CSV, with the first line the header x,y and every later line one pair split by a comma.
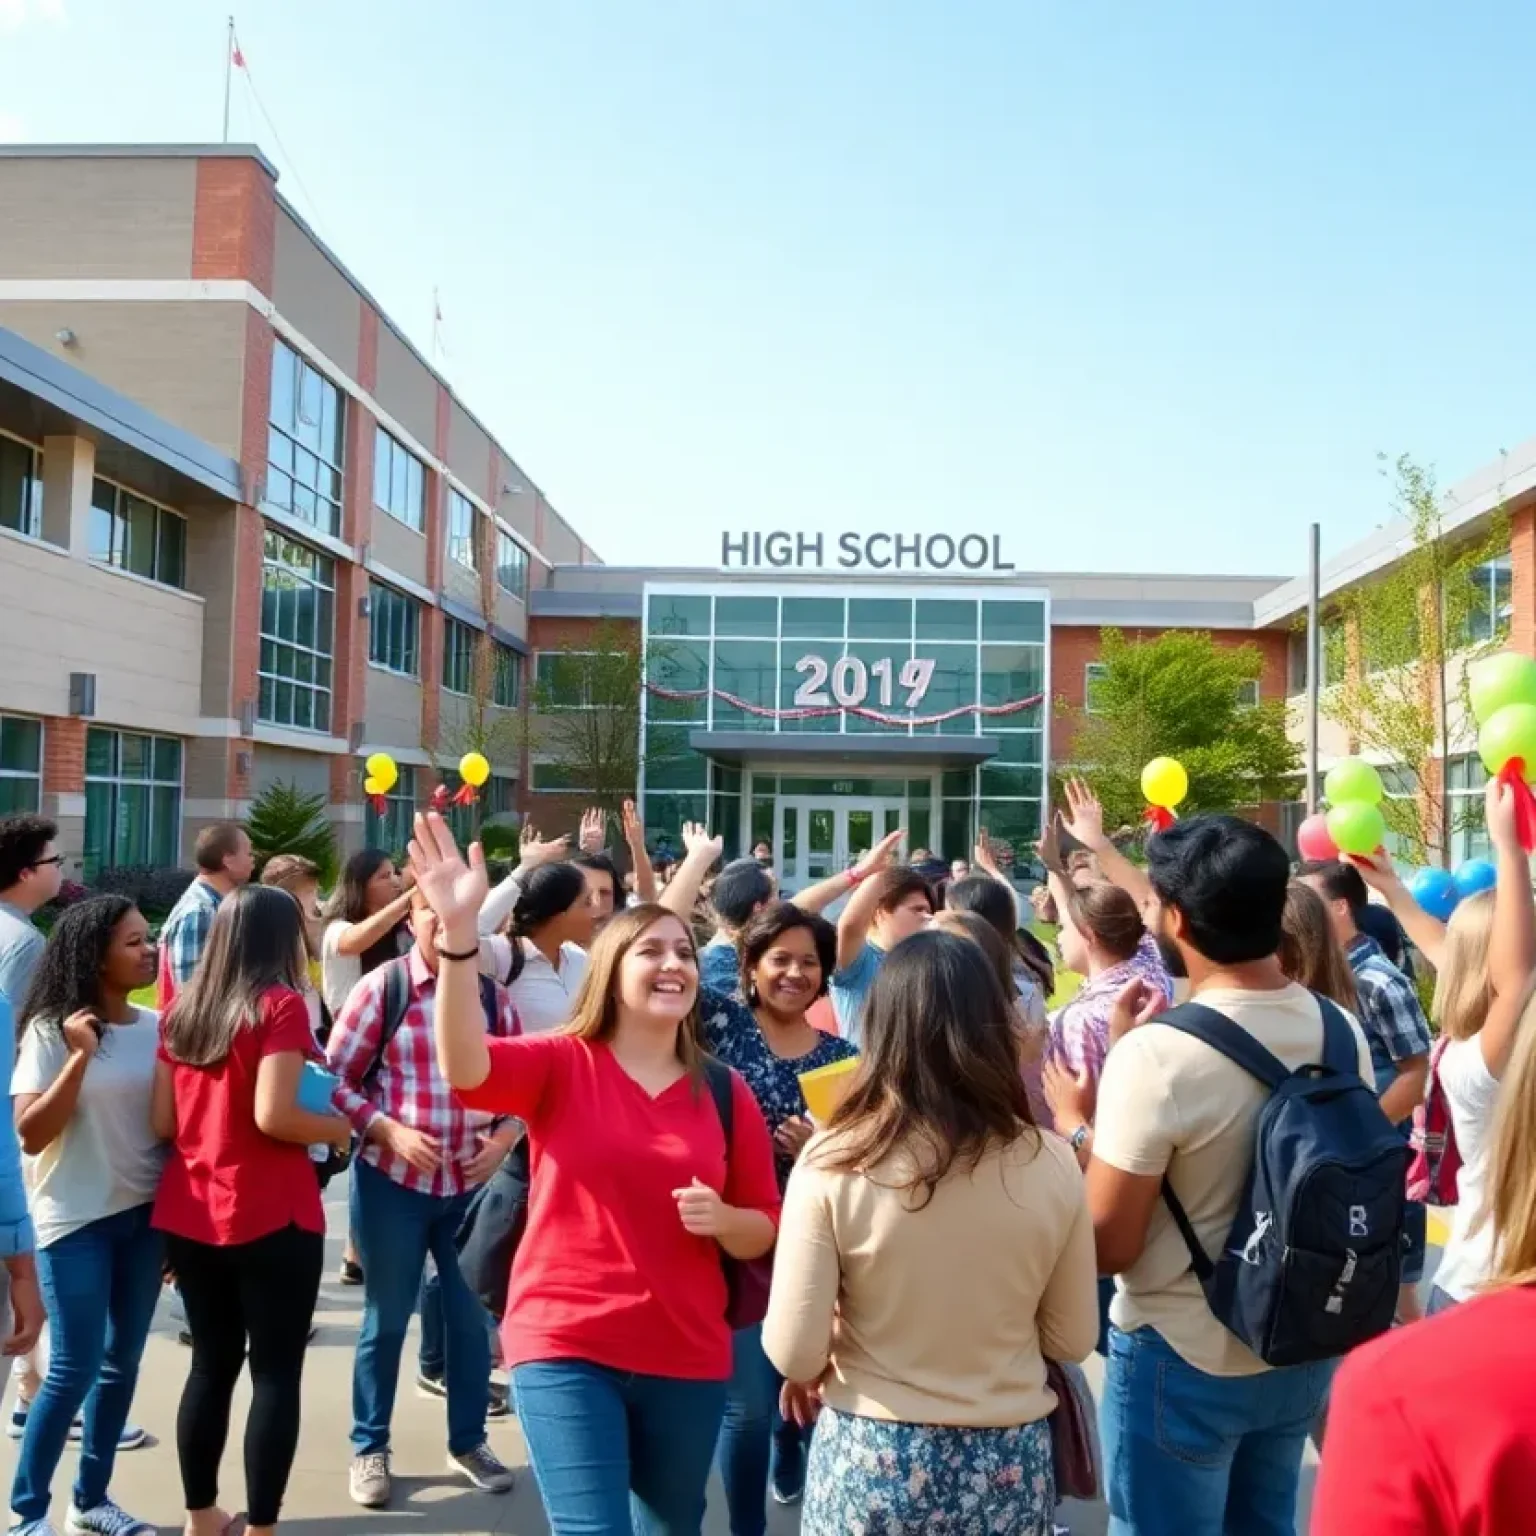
x,y
428,1501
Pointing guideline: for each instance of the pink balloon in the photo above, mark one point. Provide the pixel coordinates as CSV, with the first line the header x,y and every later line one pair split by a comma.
x,y
1313,841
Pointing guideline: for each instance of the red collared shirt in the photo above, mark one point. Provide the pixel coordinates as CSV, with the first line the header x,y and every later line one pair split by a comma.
x,y
407,1087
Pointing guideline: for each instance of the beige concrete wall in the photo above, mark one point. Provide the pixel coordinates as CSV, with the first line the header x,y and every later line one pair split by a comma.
x,y
143,642
211,574
511,613
469,449
402,549
391,708
561,545
406,389
205,771
461,584
184,361
311,771
311,293
97,217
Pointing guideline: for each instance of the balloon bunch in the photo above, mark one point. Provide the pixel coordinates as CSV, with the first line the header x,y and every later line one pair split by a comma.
x,y
382,776
1504,704
1165,784
474,770
1439,892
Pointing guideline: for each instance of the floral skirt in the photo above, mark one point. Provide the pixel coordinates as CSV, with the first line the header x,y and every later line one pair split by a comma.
x,y
870,1477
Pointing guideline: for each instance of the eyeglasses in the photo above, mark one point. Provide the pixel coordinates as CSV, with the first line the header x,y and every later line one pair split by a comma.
x,y
57,858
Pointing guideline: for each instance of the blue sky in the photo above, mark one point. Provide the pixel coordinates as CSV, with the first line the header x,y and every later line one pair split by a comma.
x,y
1133,287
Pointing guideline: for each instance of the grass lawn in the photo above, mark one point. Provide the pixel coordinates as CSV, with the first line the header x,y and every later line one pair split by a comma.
x,y
143,998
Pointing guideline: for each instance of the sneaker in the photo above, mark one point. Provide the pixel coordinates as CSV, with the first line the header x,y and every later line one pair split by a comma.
x,y
351,1273
106,1520
32,1528
16,1425
497,1404
788,1480
131,1438
483,1469
369,1483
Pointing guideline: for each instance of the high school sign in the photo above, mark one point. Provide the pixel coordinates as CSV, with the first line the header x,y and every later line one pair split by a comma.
x,y
863,552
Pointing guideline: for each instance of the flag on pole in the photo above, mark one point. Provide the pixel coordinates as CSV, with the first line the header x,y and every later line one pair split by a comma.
x,y
237,58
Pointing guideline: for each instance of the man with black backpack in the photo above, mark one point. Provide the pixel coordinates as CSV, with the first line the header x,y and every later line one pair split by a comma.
x,y
1247,1191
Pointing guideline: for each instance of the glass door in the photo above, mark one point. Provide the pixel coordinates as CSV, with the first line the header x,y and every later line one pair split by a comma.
x,y
818,838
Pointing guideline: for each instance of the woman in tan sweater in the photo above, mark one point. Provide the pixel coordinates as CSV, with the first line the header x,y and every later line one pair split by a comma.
x,y
935,1251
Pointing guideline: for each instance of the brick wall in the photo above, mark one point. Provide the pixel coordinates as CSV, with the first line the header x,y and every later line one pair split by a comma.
x,y
1522,560
63,755
234,222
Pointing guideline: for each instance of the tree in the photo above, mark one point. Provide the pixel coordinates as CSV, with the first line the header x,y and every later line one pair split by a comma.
x,y
284,819
1395,648
1181,695
585,718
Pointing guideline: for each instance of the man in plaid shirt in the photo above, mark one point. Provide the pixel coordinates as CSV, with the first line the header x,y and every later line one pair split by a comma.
x,y
224,863
1396,1030
422,1157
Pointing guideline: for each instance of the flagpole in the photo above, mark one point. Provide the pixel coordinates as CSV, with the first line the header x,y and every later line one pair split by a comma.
x,y
229,68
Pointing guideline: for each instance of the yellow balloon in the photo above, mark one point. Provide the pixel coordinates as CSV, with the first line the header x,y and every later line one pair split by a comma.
x,y
382,771
474,769
1164,783
373,786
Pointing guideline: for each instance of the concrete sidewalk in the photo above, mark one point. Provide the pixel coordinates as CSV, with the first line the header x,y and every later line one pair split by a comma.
x,y
428,1500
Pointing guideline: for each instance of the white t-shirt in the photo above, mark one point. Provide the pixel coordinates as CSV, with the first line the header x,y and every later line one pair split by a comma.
x,y
544,995
107,1159
1471,1092
339,973
1169,1104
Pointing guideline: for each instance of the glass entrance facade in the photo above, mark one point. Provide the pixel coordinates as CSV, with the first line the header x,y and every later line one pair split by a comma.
x,y
811,715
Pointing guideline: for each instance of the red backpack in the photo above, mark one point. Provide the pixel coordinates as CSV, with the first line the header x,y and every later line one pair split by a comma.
x,y
1434,1173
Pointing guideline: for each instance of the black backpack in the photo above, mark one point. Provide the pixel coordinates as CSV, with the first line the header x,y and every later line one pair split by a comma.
x,y
1312,1264
397,999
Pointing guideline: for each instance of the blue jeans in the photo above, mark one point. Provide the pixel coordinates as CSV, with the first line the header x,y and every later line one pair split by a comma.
x,y
100,1285
1189,1454
614,1451
751,1430
396,1229
433,1356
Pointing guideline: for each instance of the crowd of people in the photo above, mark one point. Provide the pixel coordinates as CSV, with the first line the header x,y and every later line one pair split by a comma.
x,y
591,1080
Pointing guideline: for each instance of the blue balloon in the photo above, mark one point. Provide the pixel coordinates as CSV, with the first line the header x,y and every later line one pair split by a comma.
x,y
1436,892
1475,875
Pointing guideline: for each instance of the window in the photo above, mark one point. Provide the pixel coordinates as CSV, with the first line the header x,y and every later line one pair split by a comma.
x,y
1296,662
564,679
458,656
511,566
304,439
556,779
394,630
132,799
21,764
1491,602
398,481
1095,675
394,828
1248,694
508,682
298,595
137,535
463,536
21,487
1466,780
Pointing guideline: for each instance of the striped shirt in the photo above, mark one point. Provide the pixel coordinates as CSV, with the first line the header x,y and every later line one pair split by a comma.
x,y
407,1088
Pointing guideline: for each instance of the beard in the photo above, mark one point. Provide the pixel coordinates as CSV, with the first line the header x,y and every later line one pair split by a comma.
x,y
1173,961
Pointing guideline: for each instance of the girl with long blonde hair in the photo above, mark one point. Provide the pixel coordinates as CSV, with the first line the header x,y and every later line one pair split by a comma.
x,y
616,1328
1483,959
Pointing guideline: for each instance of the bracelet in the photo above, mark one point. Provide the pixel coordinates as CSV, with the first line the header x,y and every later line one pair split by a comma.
x,y
856,877
469,954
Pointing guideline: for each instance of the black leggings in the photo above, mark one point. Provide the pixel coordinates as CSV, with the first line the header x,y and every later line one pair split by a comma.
x,y
264,1291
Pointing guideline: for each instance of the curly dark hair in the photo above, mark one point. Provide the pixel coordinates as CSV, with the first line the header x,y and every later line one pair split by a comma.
x,y
68,977
22,840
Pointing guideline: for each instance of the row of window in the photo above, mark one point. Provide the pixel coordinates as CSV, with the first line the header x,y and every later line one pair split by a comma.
x,y
394,643
305,441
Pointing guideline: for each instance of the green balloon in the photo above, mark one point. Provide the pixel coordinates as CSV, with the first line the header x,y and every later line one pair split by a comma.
x,y
1509,733
1357,828
1353,782
1508,678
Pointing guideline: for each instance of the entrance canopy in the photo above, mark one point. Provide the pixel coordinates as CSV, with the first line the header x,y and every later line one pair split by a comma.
x,y
850,751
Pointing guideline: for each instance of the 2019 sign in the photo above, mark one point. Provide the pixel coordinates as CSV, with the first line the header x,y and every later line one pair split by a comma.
x,y
850,681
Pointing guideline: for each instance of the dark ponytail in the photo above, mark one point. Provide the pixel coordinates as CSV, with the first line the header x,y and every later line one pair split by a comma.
x,y
549,892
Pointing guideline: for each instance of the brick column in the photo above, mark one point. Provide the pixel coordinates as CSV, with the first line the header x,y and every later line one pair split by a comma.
x,y
1522,560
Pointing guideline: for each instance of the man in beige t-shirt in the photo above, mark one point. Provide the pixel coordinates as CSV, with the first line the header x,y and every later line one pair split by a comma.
x,y
1201,1437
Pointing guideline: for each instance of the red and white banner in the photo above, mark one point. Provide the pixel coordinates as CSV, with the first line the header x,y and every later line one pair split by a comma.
x,y
821,712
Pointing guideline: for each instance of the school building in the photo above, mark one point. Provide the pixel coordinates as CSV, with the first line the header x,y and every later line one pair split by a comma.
x,y
248,534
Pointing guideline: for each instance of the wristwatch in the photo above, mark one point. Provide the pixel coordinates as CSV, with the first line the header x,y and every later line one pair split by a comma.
x,y
1079,1138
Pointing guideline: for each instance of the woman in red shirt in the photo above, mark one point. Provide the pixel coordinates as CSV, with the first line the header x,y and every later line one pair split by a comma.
x,y
616,1326
240,1200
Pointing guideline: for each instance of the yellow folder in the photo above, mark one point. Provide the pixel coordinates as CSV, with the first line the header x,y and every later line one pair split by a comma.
x,y
825,1086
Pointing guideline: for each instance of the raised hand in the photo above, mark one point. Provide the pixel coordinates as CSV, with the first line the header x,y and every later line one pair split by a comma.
x,y
453,888
1048,848
1376,870
634,832
532,849
1085,815
1499,809
594,831
698,842
882,853
82,1033
983,857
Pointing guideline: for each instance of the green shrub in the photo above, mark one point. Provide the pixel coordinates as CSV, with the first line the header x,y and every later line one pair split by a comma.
x,y
285,819
500,841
